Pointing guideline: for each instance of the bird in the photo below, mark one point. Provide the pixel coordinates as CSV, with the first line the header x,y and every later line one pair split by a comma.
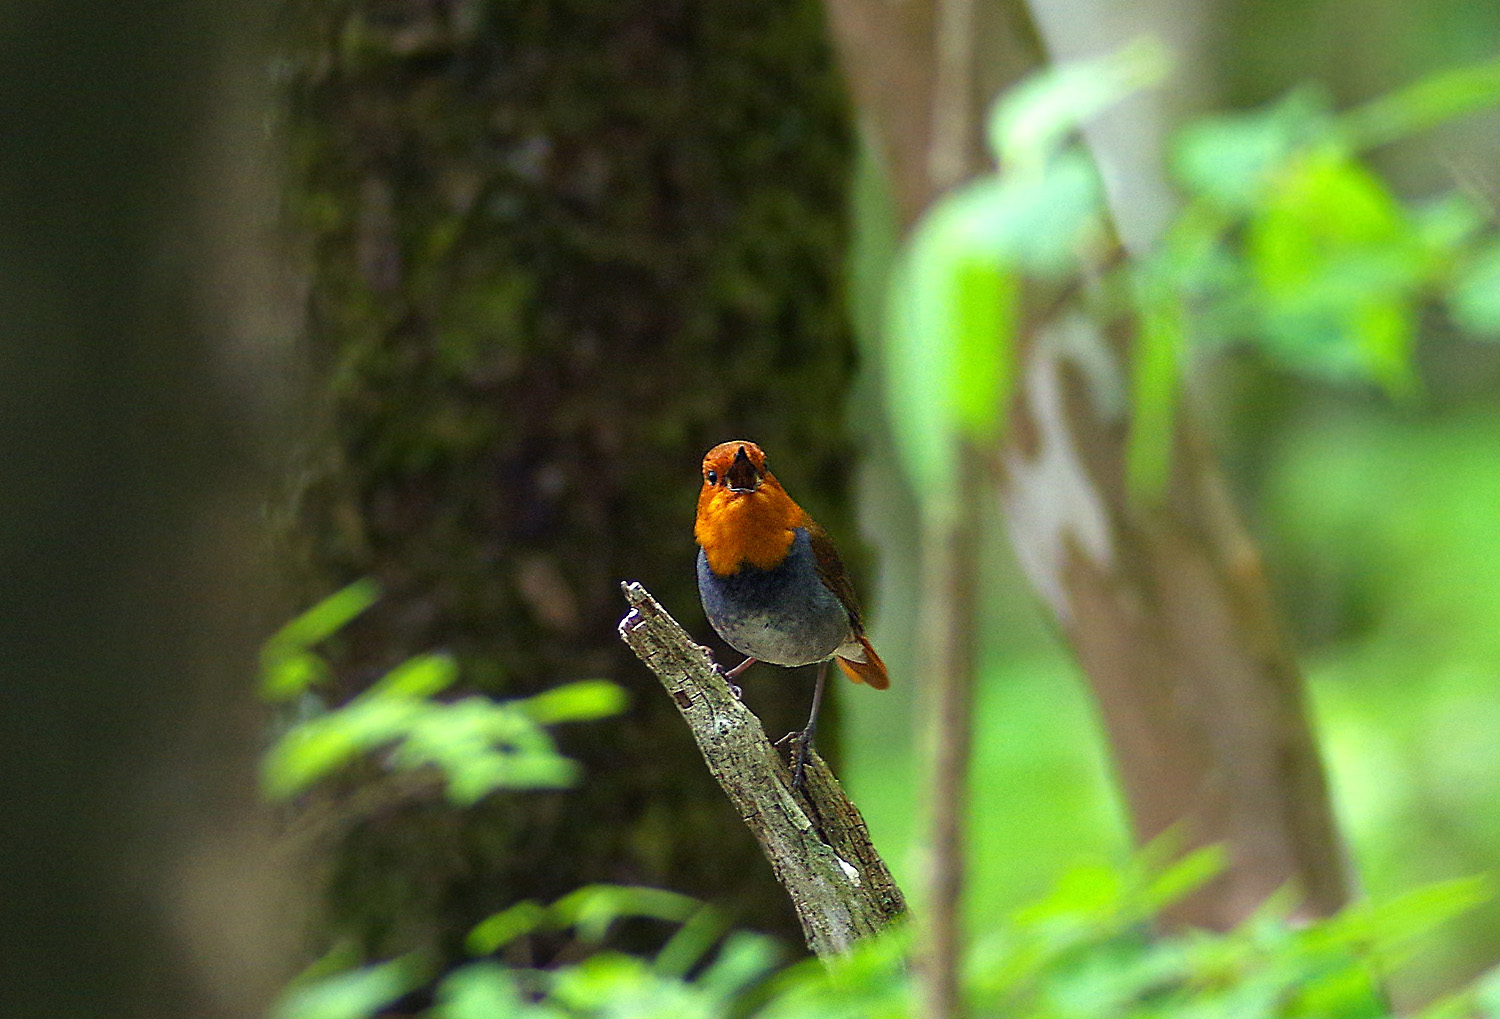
x,y
771,581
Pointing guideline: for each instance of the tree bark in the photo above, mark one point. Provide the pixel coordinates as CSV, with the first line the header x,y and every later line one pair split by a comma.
x,y
1164,605
558,249
137,879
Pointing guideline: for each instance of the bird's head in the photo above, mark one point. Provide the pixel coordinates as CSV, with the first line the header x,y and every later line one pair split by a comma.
x,y
738,467
744,515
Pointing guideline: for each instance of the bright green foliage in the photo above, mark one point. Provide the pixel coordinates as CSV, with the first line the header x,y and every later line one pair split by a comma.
x,y
591,910
350,995
1086,950
288,666
954,307
1032,125
1288,241
1422,106
1285,239
1475,296
477,744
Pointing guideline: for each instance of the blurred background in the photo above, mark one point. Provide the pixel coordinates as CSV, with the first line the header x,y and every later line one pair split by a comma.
x,y
454,295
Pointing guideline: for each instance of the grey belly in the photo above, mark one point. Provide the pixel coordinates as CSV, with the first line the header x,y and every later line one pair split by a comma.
x,y
783,616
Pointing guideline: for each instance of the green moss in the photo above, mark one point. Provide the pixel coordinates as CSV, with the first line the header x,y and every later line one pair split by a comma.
x,y
560,250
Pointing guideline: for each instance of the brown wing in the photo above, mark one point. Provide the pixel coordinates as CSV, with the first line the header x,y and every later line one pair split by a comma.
x,y
831,570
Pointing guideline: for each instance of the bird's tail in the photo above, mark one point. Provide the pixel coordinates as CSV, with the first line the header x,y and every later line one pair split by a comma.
x,y
869,670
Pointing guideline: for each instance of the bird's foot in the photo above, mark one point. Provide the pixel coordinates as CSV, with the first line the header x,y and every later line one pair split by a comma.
x,y
804,749
728,676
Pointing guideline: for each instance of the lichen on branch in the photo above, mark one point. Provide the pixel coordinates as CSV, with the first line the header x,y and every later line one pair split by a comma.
x,y
817,843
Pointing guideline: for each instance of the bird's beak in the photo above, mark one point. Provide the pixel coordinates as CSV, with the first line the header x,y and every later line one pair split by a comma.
x,y
742,475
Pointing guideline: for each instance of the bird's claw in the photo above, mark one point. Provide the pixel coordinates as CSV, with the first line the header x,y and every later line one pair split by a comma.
x,y
734,687
804,749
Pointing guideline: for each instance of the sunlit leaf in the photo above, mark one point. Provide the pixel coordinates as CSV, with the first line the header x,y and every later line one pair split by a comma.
x,y
986,300
1424,105
954,306
287,667
1231,160
1475,295
1185,876
582,701
320,746
328,616
357,994
287,672
417,677
1031,123
482,746
500,929
595,908
1337,262
1042,223
1392,924
485,990
919,365
743,959
692,941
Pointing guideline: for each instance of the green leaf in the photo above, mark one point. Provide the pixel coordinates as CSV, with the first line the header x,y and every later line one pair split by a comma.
x,y
1424,105
500,929
357,994
687,947
1030,125
1337,264
1185,876
287,668
1231,160
1474,298
743,959
582,701
919,367
328,616
319,746
286,673
481,746
622,987
415,678
1043,223
1390,924
950,334
485,990
593,909
986,302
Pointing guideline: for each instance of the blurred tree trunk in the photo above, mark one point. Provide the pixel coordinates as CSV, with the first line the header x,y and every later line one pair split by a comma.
x,y
137,882
558,249
1165,606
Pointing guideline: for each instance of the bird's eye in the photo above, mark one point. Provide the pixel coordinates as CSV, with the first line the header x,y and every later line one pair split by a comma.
x,y
713,477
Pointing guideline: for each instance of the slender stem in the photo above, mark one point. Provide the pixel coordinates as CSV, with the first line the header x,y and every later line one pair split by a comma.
x,y
950,556
954,104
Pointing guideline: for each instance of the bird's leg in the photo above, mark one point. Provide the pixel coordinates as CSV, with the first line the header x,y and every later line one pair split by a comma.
x,y
734,674
804,741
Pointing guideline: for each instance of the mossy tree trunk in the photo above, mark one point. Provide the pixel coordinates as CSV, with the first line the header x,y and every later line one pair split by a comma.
x,y
558,249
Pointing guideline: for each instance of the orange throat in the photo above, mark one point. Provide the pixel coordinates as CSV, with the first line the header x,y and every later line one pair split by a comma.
x,y
756,527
